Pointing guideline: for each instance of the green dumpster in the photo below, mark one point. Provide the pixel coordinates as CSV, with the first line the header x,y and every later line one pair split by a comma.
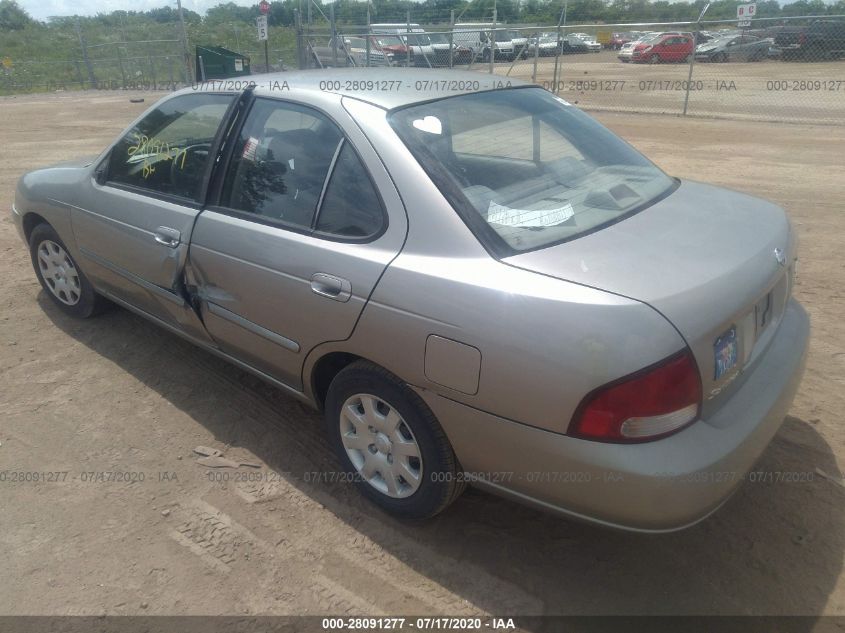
x,y
216,62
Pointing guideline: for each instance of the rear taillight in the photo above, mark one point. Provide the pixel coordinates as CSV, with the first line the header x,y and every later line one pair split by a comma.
x,y
644,406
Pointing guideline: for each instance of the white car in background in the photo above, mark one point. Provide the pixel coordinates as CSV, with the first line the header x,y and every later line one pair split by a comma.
x,y
627,50
592,45
519,39
548,44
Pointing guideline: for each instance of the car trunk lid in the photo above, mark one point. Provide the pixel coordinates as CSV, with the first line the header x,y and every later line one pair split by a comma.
x,y
705,258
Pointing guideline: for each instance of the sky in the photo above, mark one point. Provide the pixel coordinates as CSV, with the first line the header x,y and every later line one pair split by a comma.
x,y
42,9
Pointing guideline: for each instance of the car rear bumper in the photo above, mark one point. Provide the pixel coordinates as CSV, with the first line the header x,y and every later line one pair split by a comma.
x,y
659,486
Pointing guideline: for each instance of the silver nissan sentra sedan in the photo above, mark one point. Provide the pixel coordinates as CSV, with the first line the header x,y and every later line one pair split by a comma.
x,y
475,281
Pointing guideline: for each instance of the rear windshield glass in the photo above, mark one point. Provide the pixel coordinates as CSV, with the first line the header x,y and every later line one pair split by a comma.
x,y
526,170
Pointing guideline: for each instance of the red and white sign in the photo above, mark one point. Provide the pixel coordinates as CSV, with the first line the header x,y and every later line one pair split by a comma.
x,y
264,7
746,11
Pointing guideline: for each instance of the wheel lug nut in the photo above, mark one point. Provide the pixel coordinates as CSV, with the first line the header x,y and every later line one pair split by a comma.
x,y
372,448
390,458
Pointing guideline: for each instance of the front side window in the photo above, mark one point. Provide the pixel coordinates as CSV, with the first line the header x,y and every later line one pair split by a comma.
x,y
291,164
524,169
167,151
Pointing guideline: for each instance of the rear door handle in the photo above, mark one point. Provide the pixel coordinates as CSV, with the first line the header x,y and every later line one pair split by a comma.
x,y
331,287
167,237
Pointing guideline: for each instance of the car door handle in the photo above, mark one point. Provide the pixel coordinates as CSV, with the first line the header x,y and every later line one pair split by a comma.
x,y
168,237
331,287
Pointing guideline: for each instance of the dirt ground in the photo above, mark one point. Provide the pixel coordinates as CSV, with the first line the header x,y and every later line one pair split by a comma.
x,y
117,394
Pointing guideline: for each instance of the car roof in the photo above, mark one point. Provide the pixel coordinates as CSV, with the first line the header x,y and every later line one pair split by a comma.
x,y
384,92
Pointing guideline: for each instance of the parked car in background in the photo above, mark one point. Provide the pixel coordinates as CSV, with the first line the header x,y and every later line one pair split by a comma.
x,y
412,36
627,50
618,40
519,39
477,37
547,42
740,48
573,44
394,49
665,48
592,45
440,45
503,46
350,51
576,329
823,39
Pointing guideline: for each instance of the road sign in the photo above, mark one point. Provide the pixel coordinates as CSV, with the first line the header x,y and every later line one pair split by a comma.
x,y
261,23
264,7
743,24
746,11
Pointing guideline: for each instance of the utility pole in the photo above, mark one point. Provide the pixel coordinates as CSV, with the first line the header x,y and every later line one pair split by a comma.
x,y
187,55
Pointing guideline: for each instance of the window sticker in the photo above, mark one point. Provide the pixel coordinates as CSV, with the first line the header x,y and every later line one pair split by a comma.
x,y
250,148
430,124
528,218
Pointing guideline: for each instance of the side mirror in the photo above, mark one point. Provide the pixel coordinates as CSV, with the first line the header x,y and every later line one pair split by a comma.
x,y
101,173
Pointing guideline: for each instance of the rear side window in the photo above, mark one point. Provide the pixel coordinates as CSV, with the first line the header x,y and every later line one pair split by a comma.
x,y
280,162
291,165
351,207
167,151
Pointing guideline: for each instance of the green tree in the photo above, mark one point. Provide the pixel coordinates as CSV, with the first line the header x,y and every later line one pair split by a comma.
x,y
13,17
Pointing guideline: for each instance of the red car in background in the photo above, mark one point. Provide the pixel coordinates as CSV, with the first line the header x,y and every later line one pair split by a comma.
x,y
668,48
618,40
394,50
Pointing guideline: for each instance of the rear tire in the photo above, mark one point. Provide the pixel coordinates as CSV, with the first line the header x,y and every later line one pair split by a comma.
x,y
60,275
390,443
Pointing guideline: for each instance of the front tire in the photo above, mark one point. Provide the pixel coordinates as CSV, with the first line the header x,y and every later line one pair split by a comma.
x,y
60,276
391,444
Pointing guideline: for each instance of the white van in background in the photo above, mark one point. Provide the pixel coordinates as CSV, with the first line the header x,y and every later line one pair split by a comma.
x,y
476,36
412,35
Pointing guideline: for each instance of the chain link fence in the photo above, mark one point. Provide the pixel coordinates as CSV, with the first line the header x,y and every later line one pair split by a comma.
x,y
784,69
779,69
